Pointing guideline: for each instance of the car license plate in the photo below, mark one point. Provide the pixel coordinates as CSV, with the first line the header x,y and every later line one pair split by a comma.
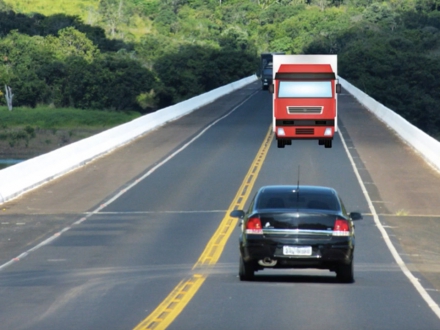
x,y
297,250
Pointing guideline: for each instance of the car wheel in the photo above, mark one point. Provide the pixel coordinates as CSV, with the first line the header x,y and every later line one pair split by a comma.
x,y
245,270
321,142
281,143
328,143
344,273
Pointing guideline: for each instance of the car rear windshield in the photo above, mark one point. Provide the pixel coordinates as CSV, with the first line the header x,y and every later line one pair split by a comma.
x,y
297,200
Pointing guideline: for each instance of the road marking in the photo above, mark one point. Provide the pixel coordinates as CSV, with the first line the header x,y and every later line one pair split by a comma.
x,y
215,246
176,301
415,282
124,190
162,212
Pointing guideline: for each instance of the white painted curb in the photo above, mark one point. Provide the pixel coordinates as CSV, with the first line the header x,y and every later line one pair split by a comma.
x,y
425,145
22,177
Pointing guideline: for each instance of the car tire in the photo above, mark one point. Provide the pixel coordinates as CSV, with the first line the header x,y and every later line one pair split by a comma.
x,y
245,270
344,273
281,143
321,142
328,143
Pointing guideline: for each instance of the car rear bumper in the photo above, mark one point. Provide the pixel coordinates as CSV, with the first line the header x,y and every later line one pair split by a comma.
x,y
324,255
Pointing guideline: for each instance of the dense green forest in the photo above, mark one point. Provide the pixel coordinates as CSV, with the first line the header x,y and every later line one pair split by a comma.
x,y
125,55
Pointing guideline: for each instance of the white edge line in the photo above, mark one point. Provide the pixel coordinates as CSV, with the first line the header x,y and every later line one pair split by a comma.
x,y
123,191
415,282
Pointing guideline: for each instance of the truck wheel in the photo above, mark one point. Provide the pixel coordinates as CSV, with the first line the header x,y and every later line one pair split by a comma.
x,y
245,270
288,142
344,273
328,143
321,142
281,143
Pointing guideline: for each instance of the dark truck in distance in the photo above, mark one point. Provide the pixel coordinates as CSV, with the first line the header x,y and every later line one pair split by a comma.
x,y
266,69
296,227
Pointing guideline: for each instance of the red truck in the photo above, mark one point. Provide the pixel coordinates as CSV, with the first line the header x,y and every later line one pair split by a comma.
x,y
305,98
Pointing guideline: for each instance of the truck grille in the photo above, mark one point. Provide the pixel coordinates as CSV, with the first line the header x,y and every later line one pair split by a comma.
x,y
304,110
305,131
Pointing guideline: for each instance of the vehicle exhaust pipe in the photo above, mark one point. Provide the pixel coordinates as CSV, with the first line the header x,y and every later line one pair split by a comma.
x,y
267,262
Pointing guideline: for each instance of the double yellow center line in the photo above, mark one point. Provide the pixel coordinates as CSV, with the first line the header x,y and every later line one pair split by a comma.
x,y
176,301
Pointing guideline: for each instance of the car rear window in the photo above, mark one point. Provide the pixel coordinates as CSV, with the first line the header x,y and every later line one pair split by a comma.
x,y
295,200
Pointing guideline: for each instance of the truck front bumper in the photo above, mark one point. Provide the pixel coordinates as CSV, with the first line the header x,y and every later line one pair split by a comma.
x,y
304,132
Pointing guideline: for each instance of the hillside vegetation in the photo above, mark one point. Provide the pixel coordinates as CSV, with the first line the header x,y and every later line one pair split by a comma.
x,y
125,55
81,8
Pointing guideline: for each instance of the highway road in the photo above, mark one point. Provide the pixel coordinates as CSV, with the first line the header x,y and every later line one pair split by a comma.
x,y
141,239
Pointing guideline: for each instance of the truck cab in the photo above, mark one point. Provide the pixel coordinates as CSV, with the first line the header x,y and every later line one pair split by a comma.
x,y
304,103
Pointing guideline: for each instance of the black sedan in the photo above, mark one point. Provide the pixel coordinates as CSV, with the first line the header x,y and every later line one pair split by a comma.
x,y
296,227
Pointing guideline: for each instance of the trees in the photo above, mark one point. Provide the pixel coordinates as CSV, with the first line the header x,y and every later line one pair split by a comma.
x,y
108,83
69,70
194,69
71,42
4,6
183,48
112,14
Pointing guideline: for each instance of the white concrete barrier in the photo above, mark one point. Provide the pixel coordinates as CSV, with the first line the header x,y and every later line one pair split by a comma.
x,y
425,145
27,175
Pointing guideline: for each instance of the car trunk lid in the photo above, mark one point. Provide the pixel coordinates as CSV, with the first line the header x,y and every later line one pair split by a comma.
x,y
298,225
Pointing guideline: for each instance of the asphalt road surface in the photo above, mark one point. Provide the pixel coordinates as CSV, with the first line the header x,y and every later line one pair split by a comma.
x,y
104,246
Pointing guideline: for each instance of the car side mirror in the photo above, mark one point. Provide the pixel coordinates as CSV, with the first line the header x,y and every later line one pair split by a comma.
x,y
338,88
271,88
237,214
355,216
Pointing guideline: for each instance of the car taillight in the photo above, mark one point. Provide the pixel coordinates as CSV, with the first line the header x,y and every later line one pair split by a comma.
x,y
341,228
253,226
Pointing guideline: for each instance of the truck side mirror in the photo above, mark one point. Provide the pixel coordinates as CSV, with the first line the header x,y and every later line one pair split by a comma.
x,y
338,88
271,88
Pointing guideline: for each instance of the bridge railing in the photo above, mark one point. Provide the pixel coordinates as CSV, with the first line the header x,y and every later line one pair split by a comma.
x,y
25,176
424,144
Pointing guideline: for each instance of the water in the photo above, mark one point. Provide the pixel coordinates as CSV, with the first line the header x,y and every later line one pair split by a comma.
x,y
8,162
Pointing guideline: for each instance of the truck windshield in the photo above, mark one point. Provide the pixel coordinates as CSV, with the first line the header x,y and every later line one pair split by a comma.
x,y
303,89
267,72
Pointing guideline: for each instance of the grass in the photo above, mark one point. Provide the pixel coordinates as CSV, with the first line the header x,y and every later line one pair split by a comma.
x,y
62,118
50,7
27,132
